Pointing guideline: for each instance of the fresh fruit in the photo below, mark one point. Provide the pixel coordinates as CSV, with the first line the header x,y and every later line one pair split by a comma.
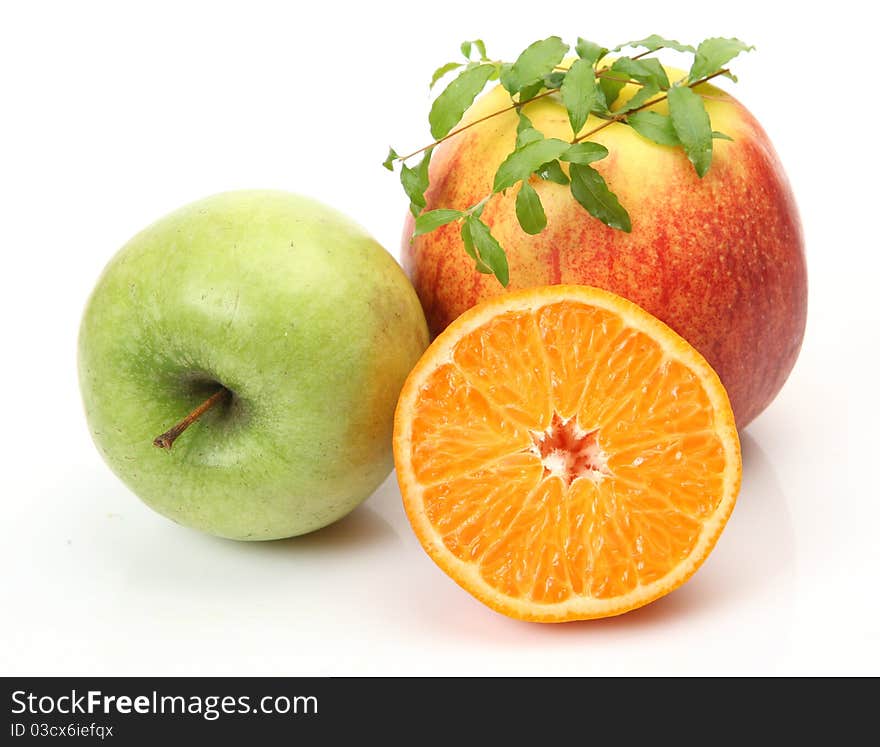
x,y
719,259
563,455
286,327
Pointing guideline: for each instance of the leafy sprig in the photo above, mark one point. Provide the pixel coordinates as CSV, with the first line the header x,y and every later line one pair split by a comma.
x,y
587,86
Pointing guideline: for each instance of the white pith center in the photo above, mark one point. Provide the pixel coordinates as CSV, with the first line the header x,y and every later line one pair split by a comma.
x,y
568,451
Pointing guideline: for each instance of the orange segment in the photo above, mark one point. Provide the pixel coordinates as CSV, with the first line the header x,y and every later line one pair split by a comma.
x,y
475,508
574,336
564,455
517,385
456,430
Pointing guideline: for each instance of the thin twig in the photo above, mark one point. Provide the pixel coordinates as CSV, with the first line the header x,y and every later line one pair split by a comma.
x,y
623,115
459,130
476,122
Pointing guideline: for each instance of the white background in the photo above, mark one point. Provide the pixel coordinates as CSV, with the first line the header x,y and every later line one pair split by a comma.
x,y
112,114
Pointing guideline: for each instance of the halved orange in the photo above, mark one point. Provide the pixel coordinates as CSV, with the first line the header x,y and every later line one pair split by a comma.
x,y
564,455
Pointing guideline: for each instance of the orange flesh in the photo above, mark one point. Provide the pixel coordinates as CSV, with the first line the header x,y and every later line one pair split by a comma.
x,y
564,454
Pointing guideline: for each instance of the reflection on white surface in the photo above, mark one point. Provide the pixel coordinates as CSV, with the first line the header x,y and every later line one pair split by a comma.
x,y
754,561
143,595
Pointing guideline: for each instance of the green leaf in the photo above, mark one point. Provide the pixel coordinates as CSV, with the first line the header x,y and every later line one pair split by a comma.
x,y
442,70
584,153
467,48
450,105
524,122
489,250
691,123
422,168
526,136
649,72
525,132
589,51
523,162
529,210
713,54
721,136
653,42
388,163
600,108
590,190
415,182
536,61
640,97
479,207
552,172
610,88
410,181
531,90
579,93
427,222
655,126
471,250
554,80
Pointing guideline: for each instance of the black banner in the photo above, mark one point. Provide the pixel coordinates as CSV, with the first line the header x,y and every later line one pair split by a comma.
x,y
136,710
126,711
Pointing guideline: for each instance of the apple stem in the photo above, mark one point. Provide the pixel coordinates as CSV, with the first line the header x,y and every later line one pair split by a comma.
x,y
167,439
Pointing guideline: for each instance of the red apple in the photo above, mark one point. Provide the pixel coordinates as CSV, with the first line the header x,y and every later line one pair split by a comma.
x,y
719,259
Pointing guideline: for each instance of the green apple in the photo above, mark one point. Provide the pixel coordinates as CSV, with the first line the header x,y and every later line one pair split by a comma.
x,y
280,333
